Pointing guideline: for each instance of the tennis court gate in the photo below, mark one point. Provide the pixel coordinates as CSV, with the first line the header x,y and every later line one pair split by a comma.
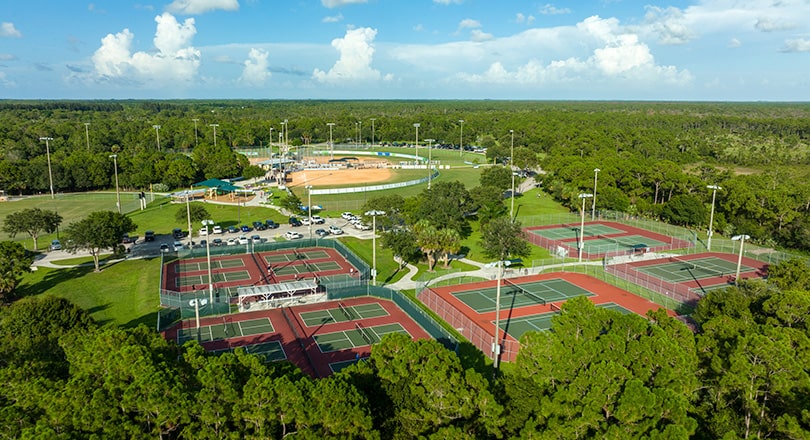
x,y
478,336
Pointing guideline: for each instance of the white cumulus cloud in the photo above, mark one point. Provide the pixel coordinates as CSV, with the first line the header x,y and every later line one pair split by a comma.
x,y
193,7
522,18
256,70
332,18
7,29
356,54
173,61
331,4
479,35
797,45
550,9
469,23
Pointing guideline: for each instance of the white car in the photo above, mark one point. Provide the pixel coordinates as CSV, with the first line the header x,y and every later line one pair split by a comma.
x,y
347,215
203,231
242,240
217,229
230,242
292,235
177,246
255,238
362,226
318,220
335,230
305,221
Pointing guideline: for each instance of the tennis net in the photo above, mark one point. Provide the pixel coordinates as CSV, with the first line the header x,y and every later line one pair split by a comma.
x,y
345,311
536,297
693,266
363,333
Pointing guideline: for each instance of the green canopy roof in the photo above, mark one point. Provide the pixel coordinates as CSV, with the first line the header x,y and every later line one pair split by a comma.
x,y
219,184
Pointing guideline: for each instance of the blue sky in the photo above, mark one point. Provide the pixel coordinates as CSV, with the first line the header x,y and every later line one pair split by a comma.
x,y
723,50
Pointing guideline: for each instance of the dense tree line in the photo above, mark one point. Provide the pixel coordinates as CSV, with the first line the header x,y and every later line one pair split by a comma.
x,y
596,374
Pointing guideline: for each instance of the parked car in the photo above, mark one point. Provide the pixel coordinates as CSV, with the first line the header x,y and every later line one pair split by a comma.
x,y
347,215
231,242
318,220
242,240
176,246
164,247
204,231
362,226
305,221
271,224
245,228
232,229
295,222
126,239
335,230
55,245
255,239
216,242
177,233
217,229
259,226
292,235
321,232
149,236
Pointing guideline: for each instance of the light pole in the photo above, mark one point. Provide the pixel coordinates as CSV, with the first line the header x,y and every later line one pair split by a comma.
x,y
714,189
117,194
207,223
157,135
87,134
195,131
215,132
372,131
430,158
416,126
188,215
270,146
593,206
582,196
359,132
512,171
741,239
283,143
356,136
496,344
461,138
48,153
331,145
374,214
309,209
286,137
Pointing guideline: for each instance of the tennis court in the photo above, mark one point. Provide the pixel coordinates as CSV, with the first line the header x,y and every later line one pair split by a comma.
x,y
304,267
337,366
343,313
677,271
521,295
193,280
572,231
358,337
196,266
271,351
225,330
517,327
602,244
286,257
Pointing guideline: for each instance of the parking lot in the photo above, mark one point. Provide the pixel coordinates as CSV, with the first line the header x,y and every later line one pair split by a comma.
x,y
142,248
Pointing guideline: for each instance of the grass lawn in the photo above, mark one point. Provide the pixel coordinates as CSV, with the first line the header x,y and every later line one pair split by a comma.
x,y
387,268
124,293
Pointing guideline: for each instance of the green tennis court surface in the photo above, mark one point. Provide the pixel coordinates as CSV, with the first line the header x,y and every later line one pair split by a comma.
x,y
193,280
678,271
215,264
271,351
337,366
517,327
292,256
527,294
602,244
342,314
572,231
225,330
357,337
304,267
